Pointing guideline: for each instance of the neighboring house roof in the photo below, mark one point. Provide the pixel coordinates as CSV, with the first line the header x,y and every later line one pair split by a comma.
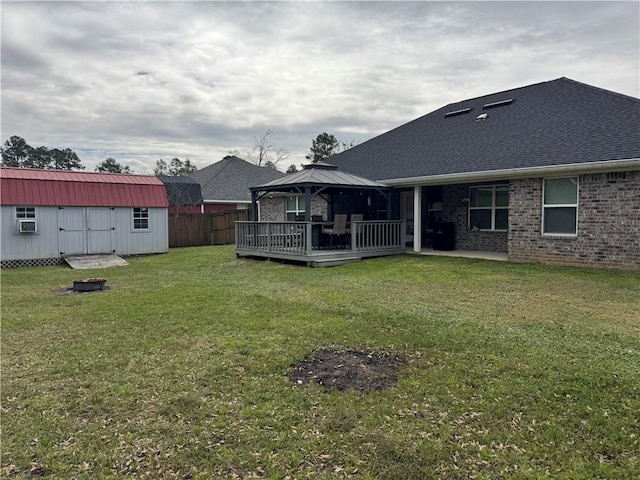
x,y
320,174
181,190
230,179
540,126
62,188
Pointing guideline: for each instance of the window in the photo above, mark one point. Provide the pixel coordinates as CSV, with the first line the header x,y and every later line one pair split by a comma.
x,y
140,218
294,206
560,206
25,212
489,207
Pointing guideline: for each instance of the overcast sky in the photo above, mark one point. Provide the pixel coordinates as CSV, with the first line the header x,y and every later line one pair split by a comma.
x,y
140,81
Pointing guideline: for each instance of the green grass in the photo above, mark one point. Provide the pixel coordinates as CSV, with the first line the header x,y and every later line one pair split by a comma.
x,y
181,370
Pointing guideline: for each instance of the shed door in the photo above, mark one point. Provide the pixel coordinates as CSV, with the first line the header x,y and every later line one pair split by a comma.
x,y
71,227
101,230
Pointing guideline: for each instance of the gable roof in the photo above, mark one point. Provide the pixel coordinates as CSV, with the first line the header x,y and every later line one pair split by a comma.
x,y
181,190
554,123
230,179
63,188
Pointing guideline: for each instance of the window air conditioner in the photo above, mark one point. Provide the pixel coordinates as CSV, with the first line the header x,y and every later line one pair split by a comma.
x,y
27,226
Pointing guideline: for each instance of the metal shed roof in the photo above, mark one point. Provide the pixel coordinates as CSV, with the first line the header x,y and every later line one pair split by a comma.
x,y
28,186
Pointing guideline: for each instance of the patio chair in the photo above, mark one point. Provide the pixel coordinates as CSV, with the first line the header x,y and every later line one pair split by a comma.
x,y
317,218
300,218
338,229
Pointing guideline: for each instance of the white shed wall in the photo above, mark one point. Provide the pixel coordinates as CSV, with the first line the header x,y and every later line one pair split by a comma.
x,y
46,242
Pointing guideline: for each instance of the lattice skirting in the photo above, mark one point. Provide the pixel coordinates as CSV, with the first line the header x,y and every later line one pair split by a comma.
x,y
47,262
33,262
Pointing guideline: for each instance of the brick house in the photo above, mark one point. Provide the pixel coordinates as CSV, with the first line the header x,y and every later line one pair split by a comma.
x,y
225,184
548,172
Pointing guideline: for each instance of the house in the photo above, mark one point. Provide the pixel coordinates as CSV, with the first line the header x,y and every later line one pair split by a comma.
x,y
225,184
183,193
549,172
49,213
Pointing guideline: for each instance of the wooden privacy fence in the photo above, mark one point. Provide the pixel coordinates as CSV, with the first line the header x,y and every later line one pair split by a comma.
x,y
188,230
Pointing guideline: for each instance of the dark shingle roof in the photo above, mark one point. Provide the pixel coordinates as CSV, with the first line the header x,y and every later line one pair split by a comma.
x,y
231,178
181,190
551,123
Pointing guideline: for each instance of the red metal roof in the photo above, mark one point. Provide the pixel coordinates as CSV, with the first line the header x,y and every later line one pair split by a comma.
x,y
30,186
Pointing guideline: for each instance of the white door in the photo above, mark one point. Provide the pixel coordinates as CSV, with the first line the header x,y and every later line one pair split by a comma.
x,y
71,230
100,230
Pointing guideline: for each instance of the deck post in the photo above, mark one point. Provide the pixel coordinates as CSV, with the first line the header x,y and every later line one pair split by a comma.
x,y
417,218
308,238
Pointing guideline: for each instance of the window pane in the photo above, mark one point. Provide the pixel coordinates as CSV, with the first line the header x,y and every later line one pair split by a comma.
x,y
291,203
291,217
480,219
300,203
560,220
502,196
481,197
559,191
502,219
25,212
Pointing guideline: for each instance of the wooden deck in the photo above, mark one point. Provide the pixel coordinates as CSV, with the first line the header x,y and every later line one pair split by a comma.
x,y
304,242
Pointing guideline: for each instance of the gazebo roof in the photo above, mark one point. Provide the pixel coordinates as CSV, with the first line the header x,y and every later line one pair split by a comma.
x,y
319,174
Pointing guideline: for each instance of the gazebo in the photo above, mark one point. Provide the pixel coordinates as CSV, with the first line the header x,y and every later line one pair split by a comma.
x,y
300,240
319,179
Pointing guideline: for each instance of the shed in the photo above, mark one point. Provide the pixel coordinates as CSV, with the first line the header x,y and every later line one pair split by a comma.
x,y
49,213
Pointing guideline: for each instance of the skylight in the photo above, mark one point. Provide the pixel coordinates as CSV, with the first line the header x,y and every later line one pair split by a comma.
x,y
457,112
497,104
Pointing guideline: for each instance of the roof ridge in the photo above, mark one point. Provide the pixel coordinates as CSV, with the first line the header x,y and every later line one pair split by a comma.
x,y
500,92
603,90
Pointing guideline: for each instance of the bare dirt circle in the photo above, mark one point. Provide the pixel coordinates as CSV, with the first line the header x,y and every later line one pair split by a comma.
x,y
348,370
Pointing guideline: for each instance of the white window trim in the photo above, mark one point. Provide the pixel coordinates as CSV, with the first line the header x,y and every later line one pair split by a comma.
x,y
35,213
133,221
493,207
16,230
297,211
565,205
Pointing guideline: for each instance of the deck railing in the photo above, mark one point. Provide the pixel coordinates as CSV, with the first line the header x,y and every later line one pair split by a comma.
x,y
377,235
274,237
300,238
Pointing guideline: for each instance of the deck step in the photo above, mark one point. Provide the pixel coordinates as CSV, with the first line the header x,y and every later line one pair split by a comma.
x,y
333,262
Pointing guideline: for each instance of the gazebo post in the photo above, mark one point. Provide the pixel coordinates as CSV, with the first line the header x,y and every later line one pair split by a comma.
x,y
254,206
307,203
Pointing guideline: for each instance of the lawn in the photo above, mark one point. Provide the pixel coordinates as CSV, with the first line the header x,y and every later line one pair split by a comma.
x,y
183,370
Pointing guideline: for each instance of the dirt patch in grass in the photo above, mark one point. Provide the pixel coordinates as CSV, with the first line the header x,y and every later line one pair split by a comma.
x,y
348,370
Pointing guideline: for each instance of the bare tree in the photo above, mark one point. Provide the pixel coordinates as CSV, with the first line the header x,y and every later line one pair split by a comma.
x,y
266,154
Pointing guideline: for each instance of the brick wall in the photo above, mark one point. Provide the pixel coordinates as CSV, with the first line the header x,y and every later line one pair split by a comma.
x,y
455,208
273,208
608,223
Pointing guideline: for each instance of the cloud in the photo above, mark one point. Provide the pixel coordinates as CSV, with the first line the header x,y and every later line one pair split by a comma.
x,y
139,81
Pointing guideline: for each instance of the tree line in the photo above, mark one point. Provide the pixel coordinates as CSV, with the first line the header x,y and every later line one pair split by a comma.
x,y
16,152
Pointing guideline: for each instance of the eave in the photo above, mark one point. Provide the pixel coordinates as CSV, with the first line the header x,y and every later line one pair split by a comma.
x,y
515,173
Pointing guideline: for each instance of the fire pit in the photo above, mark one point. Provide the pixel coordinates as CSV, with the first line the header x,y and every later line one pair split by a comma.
x,y
89,284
